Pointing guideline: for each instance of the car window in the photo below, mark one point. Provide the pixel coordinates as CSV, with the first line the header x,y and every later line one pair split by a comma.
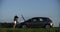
x,y
45,19
41,19
29,20
34,20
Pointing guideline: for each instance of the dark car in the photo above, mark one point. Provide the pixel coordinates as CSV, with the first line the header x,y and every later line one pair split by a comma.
x,y
37,22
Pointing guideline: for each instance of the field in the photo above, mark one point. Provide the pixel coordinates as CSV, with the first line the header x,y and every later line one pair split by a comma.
x,y
7,27
29,30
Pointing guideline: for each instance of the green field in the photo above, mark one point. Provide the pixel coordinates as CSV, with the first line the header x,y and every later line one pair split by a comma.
x,y
29,30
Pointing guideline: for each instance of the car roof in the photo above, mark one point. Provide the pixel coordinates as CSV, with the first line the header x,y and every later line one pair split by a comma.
x,y
39,17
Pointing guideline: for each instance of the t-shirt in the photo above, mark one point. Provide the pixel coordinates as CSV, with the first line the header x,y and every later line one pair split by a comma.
x,y
15,22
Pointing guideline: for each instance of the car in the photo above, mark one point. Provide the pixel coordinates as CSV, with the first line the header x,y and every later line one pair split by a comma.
x,y
35,22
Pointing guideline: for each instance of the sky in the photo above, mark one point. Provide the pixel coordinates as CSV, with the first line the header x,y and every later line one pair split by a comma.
x,y
29,9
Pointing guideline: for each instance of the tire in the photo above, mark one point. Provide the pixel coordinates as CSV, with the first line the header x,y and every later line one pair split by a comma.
x,y
47,26
24,26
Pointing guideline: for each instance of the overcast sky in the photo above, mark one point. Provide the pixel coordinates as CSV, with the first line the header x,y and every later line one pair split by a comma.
x,y
29,8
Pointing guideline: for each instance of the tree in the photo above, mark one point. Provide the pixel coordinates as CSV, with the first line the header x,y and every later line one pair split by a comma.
x,y
59,24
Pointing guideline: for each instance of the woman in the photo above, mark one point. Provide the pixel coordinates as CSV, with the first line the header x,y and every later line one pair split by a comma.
x,y
15,21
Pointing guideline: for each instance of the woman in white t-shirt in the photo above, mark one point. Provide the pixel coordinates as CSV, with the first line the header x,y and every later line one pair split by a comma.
x,y
15,21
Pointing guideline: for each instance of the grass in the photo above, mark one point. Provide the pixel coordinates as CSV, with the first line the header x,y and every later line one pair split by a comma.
x,y
29,30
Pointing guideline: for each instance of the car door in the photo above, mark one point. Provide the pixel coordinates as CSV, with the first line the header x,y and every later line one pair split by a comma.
x,y
41,22
34,22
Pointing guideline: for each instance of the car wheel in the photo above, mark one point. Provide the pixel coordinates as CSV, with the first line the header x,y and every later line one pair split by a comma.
x,y
24,26
47,26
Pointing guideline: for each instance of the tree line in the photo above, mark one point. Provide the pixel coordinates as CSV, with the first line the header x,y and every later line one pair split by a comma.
x,y
6,25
